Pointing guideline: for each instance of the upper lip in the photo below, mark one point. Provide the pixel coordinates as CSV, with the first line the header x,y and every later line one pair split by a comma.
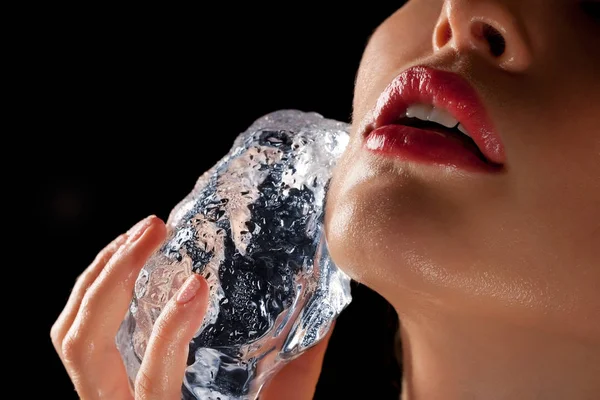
x,y
445,90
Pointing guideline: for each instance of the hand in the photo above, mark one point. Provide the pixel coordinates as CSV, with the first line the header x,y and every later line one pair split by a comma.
x,y
84,333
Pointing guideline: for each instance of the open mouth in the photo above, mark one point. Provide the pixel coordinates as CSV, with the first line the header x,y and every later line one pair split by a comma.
x,y
429,118
433,116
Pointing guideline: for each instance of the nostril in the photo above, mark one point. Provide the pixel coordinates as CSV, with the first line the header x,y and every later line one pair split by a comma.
x,y
492,36
443,34
495,40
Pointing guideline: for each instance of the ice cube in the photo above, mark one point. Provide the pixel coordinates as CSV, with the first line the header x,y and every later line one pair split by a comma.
x,y
252,226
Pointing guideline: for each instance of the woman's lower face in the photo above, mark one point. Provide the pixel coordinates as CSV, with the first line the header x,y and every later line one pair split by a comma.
x,y
519,242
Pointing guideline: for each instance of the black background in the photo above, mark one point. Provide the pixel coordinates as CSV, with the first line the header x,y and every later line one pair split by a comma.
x,y
132,105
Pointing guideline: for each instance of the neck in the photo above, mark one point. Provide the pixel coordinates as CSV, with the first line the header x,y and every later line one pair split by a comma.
x,y
462,358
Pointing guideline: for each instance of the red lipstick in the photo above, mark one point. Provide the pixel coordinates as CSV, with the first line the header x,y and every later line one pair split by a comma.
x,y
389,134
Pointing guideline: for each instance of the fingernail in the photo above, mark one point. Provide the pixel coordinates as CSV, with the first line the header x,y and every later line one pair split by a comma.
x,y
189,290
138,229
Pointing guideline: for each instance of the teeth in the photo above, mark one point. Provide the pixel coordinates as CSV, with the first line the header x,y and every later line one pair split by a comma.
x,y
427,112
443,117
420,111
463,130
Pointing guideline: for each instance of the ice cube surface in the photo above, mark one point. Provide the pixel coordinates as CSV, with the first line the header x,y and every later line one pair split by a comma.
x,y
252,226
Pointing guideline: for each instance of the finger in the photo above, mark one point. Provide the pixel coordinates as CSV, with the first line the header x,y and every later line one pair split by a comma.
x,y
106,301
83,282
89,349
297,380
67,316
161,374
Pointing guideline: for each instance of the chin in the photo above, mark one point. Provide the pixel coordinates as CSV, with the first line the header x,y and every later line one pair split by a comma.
x,y
383,229
413,240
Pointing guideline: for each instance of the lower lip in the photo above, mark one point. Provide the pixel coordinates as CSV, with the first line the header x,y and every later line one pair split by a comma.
x,y
426,147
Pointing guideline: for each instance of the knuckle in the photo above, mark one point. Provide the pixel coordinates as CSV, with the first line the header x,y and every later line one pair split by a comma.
x,y
134,257
162,332
75,347
106,254
80,281
144,386
89,303
161,328
80,278
55,334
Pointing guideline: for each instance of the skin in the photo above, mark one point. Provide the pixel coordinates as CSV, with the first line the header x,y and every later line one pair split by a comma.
x,y
494,276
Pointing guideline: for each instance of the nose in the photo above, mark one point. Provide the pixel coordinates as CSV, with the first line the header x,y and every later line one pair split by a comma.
x,y
486,27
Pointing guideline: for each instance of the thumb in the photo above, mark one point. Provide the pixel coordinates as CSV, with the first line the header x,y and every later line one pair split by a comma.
x,y
163,367
297,380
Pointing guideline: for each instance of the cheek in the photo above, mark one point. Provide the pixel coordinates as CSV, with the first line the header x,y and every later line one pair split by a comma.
x,y
556,190
553,144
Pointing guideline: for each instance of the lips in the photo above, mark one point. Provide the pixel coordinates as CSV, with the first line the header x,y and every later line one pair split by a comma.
x,y
389,134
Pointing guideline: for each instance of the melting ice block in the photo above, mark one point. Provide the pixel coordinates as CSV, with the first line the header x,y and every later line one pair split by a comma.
x,y
252,226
